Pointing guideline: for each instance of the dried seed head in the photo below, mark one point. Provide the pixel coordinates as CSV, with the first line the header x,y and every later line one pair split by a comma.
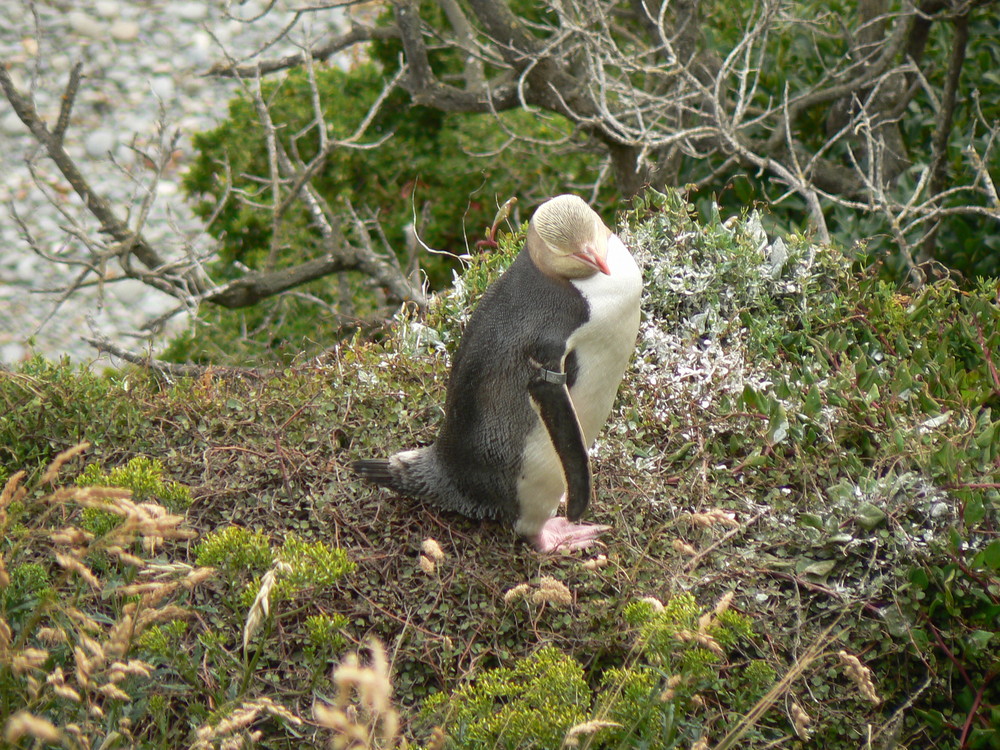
x,y
723,604
65,691
261,606
23,724
552,591
518,592
57,463
706,641
586,728
197,576
362,715
51,635
71,536
713,517
683,547
800,720
11,492
860,675
28,659
433,550
427,565
653,602
705,621
75,566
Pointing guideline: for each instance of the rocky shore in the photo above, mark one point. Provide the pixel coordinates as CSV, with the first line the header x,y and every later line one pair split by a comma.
x,y
144,64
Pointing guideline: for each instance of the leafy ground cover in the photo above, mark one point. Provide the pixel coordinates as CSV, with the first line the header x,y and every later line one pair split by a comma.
x,y
802,473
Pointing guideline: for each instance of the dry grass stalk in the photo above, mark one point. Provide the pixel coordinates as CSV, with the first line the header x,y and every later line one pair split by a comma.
x,y
24,724
683,547
860,675
800,720
778,689
71,536
373,722
73,565
711,518
239,720
28,659
572,738
12,491
52,472
261,606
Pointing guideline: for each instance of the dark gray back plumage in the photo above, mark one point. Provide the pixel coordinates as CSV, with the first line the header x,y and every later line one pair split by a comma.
x,y
474,465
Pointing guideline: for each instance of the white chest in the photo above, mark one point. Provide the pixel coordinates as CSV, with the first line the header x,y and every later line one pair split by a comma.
x,y
604,344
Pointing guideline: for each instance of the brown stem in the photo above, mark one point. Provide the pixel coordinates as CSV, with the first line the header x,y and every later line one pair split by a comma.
x,y
131,242
945,118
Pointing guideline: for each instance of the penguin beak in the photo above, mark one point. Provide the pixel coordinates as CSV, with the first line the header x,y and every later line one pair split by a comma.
x,y
590,257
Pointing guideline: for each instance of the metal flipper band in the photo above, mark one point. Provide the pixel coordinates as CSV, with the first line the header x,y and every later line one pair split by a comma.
x,y
550,376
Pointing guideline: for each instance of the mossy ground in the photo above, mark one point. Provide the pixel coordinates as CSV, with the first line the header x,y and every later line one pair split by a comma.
x,y
793,433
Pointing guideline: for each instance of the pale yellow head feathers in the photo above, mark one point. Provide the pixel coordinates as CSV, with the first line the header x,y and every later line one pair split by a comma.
x,y
567,239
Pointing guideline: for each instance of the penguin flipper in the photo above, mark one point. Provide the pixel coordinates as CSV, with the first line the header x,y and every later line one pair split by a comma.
x,y
550,395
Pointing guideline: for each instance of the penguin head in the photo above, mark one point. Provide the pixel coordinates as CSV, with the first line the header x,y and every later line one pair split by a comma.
x,y
567,239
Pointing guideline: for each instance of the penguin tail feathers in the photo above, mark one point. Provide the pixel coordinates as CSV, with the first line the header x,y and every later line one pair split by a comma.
x,y
376,471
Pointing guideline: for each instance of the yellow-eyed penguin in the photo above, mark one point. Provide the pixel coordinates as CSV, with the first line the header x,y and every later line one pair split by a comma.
x,y
532,383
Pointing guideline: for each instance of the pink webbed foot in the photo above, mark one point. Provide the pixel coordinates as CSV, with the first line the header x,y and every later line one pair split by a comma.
x,y
560,533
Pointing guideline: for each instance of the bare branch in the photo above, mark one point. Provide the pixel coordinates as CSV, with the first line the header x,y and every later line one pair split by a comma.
x,y
128,240
946,115
66,106
357,35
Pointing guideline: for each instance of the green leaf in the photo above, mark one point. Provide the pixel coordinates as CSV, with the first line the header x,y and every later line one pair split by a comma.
x,y
752,399
819,568
981,638
813,404
974,510
869,516
988,558
811,519
777,429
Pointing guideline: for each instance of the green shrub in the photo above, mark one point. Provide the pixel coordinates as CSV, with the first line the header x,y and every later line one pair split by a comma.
x,y
676,665
236,550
